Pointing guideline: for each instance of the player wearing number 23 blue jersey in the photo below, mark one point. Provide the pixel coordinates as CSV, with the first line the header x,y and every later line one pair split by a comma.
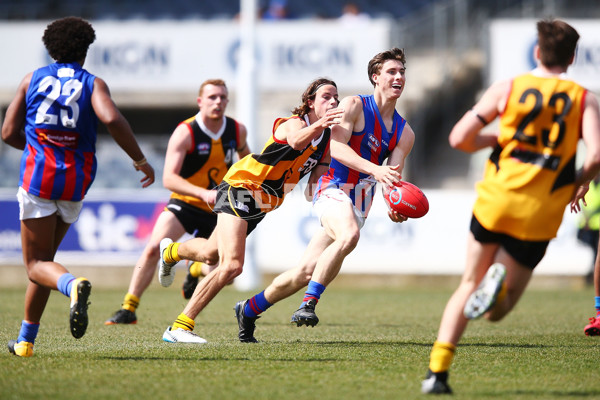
x,y
373,143
59,107
58,162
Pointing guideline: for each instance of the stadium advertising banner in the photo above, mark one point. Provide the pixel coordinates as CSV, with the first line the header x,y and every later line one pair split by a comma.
x,y
108,232
113,230
176,56
433,244
512,42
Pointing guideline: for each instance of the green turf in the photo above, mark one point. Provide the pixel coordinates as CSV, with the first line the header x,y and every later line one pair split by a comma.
x,y
370,344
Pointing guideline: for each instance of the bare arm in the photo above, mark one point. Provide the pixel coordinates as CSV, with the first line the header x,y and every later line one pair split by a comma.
x,y
466,134
353,120
243,148
398,157
179,144
298,135
119,129
14,120
590,132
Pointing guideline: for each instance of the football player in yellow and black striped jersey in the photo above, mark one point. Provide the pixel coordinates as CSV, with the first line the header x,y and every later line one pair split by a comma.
x,y
199,153
529,180
254,186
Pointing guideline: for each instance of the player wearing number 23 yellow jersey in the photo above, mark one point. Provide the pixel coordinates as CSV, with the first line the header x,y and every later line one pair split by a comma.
x,y
528,181
530,176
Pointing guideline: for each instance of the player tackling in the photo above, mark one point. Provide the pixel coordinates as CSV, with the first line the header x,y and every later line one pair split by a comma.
x,y
370,131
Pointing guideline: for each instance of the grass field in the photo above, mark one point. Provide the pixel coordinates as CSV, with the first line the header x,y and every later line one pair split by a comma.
x,y
371,343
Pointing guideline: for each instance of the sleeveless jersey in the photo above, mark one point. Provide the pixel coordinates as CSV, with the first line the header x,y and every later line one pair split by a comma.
x,y
529,178
59,161
274,172
373,143
211,156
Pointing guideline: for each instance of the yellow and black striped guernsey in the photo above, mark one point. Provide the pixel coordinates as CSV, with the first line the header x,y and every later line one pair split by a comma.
x,y
529,178
273,173
210,158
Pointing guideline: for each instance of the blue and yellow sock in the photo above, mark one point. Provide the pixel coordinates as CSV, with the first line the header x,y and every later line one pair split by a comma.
x,y
64,284
597,302
256,305
314,291
28,332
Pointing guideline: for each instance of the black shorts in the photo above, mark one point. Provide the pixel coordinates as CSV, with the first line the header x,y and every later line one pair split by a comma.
x,y
240,203
526,252
195,221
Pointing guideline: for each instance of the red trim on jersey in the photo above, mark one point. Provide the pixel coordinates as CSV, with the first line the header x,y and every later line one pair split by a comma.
x,y
324,182
237,133
394,140
29,166
87,172
326,151
191,130
70,176
48,173
355,142
278,122
375,154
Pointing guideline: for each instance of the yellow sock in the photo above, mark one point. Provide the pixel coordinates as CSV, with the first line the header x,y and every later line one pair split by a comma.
x,y
501,294
170,254
131,302
441,356
196,269
184,322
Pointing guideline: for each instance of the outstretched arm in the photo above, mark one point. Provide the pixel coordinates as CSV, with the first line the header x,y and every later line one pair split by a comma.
x,y
298,135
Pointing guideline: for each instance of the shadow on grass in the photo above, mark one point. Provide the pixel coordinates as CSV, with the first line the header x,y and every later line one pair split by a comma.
x,y
214,358
545,394
511,345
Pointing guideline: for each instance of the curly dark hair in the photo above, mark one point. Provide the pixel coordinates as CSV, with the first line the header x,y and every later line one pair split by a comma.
x,y
68,39
310,94
378,60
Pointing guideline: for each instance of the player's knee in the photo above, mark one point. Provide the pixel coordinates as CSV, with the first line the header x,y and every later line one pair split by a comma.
x,y
301,279
348,240
151,252
231,268
210,259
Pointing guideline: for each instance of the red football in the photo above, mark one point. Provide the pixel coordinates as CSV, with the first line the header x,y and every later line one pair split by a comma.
x,y
406,199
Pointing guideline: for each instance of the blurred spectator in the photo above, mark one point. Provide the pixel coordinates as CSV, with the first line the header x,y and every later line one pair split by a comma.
x,y
352,15
276,10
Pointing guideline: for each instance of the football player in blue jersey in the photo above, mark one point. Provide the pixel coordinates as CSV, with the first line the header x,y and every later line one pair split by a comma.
x,y
53,118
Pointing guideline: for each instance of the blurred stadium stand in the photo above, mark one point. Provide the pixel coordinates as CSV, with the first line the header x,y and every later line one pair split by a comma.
x,y
445,40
